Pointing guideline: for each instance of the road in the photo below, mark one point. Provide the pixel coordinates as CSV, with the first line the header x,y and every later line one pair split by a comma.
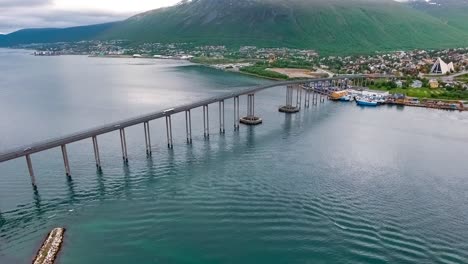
x,y
446,78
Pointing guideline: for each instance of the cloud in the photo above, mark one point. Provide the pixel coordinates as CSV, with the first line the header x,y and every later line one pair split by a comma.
x,y
16,3
35,17
19,14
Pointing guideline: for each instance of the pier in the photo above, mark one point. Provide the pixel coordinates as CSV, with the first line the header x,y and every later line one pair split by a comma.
x,y
314,89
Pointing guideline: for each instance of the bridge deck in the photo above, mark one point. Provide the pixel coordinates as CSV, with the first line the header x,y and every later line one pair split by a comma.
x,y
57,142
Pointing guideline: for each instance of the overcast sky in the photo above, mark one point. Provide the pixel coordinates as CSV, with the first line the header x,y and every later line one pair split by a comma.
x,y
18,14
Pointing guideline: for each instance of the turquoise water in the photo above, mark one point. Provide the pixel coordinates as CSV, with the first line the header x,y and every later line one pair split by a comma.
x,y
335,183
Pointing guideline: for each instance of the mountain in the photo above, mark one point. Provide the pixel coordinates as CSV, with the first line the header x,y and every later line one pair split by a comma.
x,y
329,26
325,25
50,35
452,12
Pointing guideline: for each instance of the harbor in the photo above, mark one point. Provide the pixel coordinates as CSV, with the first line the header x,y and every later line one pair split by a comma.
x,y
375,98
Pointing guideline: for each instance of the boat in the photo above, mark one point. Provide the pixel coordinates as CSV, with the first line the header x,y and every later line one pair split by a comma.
x,y
381,101
338,95
346,98
365,102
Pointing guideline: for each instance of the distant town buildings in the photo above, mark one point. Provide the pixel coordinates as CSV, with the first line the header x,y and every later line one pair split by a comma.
x,y
405,65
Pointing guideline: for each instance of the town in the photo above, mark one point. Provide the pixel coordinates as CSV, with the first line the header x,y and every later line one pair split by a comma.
x,y
441,74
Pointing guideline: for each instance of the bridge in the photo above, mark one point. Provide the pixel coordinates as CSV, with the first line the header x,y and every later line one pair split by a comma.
x,y
314,89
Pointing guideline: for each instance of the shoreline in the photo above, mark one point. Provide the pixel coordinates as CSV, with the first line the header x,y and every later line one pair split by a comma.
x,y
241,72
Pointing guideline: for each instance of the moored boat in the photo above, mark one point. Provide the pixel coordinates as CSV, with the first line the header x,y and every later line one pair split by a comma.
x,y
346,98
366,102
338,95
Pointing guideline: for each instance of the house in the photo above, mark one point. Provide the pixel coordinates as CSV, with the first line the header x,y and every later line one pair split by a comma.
x,y
399,84
440,67
416,84
433,83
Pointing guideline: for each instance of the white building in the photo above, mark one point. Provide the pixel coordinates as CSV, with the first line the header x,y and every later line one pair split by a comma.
x,y
440,67
416,84
399,84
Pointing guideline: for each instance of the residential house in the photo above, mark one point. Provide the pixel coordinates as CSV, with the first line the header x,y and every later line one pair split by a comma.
x,y
416,84
433,83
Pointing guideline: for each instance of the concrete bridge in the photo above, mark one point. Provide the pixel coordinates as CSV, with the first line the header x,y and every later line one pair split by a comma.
x,y
313,89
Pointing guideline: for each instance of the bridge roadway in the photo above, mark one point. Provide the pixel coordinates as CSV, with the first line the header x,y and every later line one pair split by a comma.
x,y
58,142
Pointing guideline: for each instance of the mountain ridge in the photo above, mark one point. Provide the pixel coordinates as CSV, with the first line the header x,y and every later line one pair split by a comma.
x,y
333,26
51,35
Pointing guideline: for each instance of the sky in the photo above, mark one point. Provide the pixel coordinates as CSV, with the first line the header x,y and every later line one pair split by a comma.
x,y
18,14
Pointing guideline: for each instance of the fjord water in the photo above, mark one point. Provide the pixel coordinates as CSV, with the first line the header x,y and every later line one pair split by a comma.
x,y
333,184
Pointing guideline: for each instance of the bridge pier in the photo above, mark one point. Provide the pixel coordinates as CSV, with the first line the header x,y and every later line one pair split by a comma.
x,y
236,113
307,97
188,126
289,108
206,122
170,143
65,160
149,152
315,94
222,130
96,153
251,119
123,144
31,171
299,99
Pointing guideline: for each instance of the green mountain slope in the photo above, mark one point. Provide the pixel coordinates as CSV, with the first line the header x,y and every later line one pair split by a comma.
x,y
453,12
325,25
329,26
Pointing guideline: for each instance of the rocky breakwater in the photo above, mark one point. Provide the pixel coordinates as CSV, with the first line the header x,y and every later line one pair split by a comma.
x,y
49,250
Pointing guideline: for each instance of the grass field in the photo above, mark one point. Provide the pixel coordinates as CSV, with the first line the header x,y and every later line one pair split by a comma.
x,y
427,93
462,78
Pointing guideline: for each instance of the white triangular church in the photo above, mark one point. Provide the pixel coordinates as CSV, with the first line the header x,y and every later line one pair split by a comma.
x,y
440,67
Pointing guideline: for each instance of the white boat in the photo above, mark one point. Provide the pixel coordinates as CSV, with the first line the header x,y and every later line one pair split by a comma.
x,y
366,102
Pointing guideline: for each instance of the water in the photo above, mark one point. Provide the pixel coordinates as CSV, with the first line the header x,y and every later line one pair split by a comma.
x,y
333,184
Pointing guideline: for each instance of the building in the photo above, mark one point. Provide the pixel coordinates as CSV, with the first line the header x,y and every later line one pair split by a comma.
x,y
399,84
433,83
416,84
440,67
